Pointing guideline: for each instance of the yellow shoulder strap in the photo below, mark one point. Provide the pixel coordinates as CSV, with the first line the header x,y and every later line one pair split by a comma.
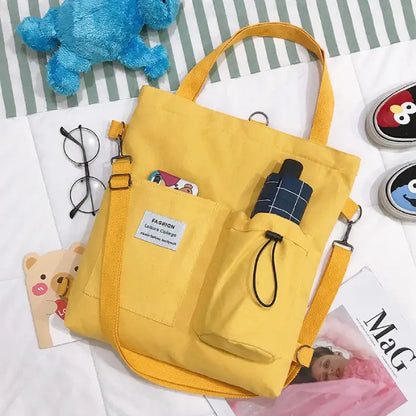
x,y
318,310
325,293
117,129
350,209
194,81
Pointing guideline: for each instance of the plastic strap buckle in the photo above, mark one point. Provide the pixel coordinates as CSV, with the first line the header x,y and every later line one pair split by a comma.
x,y
119,188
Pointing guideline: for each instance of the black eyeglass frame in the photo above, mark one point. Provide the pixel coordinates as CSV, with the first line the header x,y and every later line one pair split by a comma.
x,y
85,163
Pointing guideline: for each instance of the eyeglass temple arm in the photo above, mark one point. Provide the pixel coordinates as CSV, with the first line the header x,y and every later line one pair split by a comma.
x,y
69,136
87,171
78,206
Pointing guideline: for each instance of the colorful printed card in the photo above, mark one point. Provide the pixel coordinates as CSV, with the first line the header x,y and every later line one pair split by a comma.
x,y
43,277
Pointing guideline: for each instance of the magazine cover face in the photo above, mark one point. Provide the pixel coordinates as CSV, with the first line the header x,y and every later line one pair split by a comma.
x,y
364,363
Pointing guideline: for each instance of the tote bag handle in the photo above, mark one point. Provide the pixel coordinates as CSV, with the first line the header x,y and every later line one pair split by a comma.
x,y
194,81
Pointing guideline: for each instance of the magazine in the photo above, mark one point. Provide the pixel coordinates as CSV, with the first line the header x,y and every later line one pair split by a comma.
x,y
364,363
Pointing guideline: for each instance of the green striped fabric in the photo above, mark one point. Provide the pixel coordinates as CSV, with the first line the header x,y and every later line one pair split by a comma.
x,y
340,26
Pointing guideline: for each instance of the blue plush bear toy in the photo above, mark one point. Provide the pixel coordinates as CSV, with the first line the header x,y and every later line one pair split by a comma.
x,y
86,32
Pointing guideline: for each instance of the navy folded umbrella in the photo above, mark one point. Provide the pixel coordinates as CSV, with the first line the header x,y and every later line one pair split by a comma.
x,y
284,193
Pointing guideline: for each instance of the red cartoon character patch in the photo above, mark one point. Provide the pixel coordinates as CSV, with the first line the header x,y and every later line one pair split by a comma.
x,y
395,116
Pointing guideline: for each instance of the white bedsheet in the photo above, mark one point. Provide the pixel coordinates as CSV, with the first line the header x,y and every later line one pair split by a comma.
x,y
87,377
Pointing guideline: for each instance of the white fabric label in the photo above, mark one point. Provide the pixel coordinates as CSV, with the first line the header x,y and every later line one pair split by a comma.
x,y
162,231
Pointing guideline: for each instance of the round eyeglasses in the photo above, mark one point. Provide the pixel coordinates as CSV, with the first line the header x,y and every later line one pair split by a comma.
x,y
81,146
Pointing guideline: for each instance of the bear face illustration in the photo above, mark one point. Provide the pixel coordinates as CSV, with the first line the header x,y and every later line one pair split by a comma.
x,y
43,276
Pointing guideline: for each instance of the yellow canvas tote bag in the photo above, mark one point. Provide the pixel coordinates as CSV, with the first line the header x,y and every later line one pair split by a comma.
x,y
180,308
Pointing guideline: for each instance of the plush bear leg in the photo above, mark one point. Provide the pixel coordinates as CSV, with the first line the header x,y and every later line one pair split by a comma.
x,y
62,80
63,69
138,55
39,34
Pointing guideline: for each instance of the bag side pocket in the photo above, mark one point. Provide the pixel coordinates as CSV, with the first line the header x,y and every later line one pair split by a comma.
x,y
235,319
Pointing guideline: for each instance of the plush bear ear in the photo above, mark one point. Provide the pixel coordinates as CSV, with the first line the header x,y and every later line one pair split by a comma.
x,y
29,260
77,248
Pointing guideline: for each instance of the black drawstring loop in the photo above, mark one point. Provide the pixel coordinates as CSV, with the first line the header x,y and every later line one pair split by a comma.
x,y
277,238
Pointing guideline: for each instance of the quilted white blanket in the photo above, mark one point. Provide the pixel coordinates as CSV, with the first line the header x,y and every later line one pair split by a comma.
x,y
87,377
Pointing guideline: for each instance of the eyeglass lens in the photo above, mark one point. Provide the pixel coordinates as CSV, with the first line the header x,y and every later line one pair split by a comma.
x,y
85,138
91,199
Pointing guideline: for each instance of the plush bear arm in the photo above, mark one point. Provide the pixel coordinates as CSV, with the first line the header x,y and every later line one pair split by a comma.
x,y
39,34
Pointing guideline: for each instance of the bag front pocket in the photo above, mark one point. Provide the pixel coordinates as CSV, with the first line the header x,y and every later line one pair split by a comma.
x,y
170,237
257,266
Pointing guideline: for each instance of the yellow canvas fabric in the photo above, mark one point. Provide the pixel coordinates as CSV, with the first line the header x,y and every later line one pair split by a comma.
x,y
188,319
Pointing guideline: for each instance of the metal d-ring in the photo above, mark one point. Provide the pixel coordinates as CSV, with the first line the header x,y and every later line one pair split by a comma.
x,y
68,283
297,354
344,242
262,114
357,216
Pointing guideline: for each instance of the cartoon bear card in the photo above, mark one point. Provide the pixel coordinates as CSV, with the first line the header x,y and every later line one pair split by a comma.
x,y
44,277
